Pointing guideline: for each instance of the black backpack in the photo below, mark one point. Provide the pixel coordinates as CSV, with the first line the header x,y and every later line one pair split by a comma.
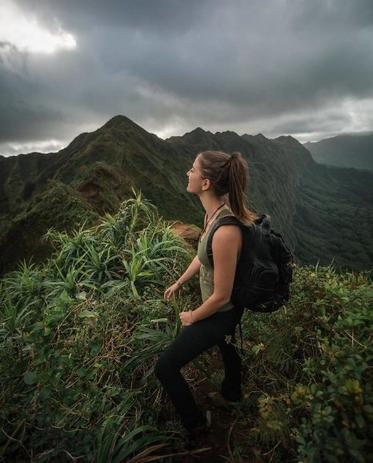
x,y
265,268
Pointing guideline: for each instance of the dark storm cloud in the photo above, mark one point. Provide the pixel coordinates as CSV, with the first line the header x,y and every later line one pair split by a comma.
x,y
279,66
162,16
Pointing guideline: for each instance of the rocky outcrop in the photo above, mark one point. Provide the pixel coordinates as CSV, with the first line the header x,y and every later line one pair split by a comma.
x,y
189,232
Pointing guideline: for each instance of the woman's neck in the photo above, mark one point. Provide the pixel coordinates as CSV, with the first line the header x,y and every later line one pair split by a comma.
x,y
211,204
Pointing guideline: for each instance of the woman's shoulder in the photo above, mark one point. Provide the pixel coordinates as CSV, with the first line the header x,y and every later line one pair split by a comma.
x,y
227,231
229,237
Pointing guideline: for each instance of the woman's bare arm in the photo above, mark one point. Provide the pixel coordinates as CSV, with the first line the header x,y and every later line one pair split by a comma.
x,y
193,268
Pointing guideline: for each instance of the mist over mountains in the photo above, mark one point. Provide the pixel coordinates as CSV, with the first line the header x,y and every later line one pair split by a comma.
x,y
346,150
324,212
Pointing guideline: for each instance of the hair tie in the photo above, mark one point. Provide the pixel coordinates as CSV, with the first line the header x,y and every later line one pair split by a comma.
x,y
229,161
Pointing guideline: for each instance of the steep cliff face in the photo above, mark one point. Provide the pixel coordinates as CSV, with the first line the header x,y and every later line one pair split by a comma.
x,y
324,212
334,217
312,205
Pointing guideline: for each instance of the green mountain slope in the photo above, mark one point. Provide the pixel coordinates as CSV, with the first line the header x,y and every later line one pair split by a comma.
x,y
349,150
334,217
101,167
325,212
314,206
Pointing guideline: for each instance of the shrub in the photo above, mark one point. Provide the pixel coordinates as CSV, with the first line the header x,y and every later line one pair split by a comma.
x,y
78,341
309,364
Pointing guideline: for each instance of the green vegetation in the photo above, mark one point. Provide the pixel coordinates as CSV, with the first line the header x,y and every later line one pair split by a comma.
x,y
58,206
79,336
309,378
325,212
347,209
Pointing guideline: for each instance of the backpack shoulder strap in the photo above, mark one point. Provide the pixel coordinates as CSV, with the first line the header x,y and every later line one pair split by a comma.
x,y
227,220
264,221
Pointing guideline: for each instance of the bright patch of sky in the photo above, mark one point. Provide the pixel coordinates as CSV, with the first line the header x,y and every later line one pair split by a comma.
x,y
24,32
67,67
44,146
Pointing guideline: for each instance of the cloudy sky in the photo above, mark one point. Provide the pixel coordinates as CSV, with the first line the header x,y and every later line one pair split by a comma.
x,y
275,67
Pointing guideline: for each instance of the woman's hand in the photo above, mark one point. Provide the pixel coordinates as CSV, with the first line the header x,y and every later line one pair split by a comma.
x,y
171,291
186,318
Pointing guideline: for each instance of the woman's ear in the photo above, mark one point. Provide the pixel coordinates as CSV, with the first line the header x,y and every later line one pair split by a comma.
x,y
206,184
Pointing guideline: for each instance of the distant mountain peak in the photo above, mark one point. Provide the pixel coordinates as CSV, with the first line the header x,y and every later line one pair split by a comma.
x,y
198,131
197,136
287,138
121,121
228,132
258,136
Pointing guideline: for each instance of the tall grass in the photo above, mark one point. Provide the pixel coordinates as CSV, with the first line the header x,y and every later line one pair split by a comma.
x,y
77,343
79,337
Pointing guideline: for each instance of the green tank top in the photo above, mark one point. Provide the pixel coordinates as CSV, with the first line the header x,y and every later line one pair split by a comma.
x,y
206,274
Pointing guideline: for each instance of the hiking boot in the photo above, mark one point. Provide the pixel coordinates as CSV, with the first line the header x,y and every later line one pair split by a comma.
x,y
231,389
198,434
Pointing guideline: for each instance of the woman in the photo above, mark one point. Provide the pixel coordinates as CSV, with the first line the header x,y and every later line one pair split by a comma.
x,y
219,180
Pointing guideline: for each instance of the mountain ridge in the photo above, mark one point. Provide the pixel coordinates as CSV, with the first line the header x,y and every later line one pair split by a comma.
x,y
100,168
344,150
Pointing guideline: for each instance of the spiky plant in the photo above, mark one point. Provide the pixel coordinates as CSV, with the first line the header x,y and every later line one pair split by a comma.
x,y
68,330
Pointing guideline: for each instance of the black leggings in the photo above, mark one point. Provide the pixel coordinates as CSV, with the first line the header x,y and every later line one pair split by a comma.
x,y
192,341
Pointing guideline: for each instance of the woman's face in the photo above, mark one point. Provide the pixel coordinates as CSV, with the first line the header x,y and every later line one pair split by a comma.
x,y
195,178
